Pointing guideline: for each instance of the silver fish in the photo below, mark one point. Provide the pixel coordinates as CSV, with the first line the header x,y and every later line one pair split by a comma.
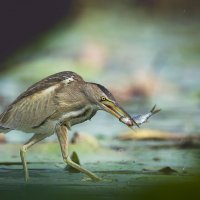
x,y
140,119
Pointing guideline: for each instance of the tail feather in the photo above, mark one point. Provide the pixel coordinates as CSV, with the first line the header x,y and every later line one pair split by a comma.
x,y
3,129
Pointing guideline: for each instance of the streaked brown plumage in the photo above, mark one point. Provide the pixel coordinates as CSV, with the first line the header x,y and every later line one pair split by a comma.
x,y
54,104
38,103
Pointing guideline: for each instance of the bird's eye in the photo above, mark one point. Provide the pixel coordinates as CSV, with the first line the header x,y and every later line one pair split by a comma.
x,y
103,98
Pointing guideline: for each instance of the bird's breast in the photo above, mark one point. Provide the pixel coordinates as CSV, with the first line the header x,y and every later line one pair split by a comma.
x,y
78,116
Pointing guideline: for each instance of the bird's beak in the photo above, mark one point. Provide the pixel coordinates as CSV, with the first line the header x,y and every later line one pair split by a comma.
x,y
115,109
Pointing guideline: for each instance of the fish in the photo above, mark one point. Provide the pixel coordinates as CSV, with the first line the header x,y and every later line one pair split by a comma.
x,y
139,119
143,118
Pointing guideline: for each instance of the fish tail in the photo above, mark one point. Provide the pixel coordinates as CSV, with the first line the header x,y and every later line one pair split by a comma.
x,y
154,110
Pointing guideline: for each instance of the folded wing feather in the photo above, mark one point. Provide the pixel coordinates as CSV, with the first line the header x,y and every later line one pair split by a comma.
x,y
29,111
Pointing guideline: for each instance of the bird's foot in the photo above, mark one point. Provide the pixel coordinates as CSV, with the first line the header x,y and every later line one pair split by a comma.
x,y
99,179
26,177
89,179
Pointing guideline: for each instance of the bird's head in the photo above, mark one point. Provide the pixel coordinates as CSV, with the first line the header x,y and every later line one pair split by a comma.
x,y
102,98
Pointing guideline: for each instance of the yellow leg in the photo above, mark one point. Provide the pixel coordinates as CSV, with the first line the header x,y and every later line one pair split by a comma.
x,y
24,163
36,138
62,134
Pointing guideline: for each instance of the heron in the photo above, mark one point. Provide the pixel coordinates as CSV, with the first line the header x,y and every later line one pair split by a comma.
x,y
53,105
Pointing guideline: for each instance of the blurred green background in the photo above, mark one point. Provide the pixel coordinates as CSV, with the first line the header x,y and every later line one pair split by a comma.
x,y
146,52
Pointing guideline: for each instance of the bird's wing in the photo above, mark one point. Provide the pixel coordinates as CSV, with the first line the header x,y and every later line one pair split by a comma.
x,y
48,82
36,104
31,111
